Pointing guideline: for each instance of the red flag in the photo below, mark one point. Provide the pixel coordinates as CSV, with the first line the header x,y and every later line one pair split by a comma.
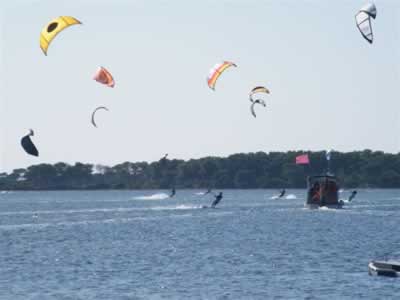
x,y
302,159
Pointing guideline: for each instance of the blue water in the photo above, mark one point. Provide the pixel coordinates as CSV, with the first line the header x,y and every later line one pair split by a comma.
x,y
141,245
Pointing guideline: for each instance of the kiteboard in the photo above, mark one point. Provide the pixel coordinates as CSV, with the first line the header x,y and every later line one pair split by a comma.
x,y
205,206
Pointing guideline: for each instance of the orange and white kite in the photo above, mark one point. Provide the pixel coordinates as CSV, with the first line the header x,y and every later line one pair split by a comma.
x,y
104,77
216,71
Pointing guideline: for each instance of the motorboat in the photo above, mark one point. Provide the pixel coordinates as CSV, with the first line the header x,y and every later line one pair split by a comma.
x,y
322,191
384,268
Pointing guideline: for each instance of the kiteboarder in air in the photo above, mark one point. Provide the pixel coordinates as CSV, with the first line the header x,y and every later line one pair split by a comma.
x,y
283,192
173,192
218,198
353,194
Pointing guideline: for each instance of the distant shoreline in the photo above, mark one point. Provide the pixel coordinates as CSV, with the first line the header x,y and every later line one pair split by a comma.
x,y
260,170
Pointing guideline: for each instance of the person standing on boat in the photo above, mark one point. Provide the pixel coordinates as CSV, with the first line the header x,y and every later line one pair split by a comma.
x,y
316,193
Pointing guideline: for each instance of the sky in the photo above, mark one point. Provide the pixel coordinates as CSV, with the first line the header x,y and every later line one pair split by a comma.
x,y
330,89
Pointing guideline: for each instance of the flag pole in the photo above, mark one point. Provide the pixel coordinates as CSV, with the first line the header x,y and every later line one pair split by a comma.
x,y
309,166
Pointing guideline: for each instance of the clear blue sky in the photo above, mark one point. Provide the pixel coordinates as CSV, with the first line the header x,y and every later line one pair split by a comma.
x,y
329,87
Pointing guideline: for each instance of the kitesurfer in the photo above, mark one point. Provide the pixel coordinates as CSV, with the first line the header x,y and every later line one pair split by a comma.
x,y
283,192
173,192
353,194
206,193
218,198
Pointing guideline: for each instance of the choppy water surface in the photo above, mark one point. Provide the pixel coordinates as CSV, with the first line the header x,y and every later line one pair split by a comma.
x,y
143,245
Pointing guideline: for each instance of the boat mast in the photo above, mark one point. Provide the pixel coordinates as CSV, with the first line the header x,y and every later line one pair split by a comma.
x,y
328,158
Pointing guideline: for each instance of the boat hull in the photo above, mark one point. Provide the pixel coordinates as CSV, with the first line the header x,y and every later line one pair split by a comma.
x,y
380,268
330,206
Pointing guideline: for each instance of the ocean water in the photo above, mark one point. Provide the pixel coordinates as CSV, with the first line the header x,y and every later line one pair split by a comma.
x,y
143,245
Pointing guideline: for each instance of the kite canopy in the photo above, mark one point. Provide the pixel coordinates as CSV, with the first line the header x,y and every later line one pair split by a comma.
x,y
28,145
216,71
363,21
258,101
257,89
370,9
94,113
54,27
104,77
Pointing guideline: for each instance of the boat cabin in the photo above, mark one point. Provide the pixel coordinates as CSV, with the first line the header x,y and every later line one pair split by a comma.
x,y
322,190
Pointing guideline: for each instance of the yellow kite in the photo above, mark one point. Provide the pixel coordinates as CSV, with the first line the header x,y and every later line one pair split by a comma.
x,y
50,31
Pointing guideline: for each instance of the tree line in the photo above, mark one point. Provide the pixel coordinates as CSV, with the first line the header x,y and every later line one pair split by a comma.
x,y
374,169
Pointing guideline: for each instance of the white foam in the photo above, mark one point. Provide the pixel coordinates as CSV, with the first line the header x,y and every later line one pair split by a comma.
x,y
325,208
159,196
290,196
176,207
